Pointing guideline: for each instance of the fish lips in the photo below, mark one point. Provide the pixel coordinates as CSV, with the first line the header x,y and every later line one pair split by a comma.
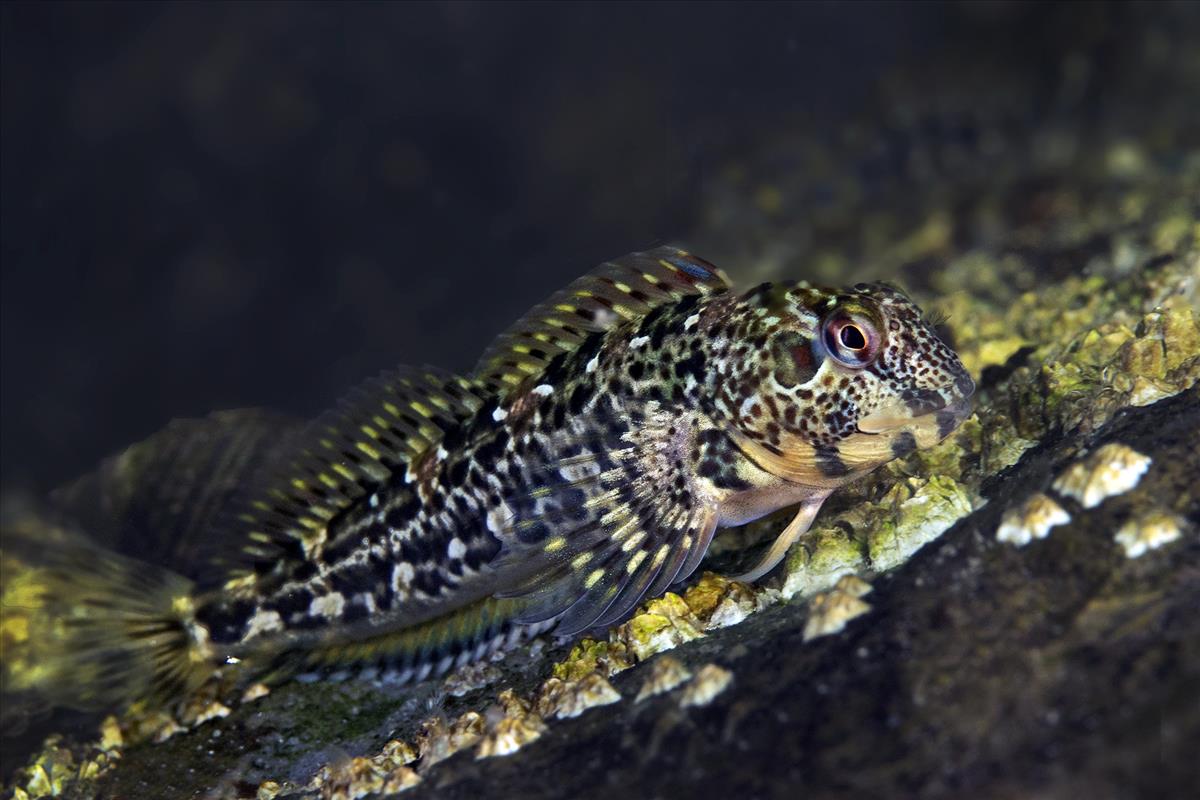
x,y
940,421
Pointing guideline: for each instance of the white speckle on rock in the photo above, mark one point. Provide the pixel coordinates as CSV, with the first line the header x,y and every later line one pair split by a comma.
x,y
1112,470
1143,534
1033,519
565,699
666,672
710,681
829,612
640,341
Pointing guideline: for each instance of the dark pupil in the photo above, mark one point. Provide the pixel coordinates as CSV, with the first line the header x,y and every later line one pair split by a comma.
x,y
853,338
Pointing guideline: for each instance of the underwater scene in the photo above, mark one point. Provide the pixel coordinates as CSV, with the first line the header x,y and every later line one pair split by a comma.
x,y
663,400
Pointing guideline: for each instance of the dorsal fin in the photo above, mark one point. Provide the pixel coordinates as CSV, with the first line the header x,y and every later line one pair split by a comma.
x,y
348,452
626,288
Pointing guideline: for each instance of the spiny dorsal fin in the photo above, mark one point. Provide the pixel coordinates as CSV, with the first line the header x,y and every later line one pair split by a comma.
x,y
348,452
626,288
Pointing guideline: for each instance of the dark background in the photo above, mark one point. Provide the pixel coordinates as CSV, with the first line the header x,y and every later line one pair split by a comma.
x,y
210,206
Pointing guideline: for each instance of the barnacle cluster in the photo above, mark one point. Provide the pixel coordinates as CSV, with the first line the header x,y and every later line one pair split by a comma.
x,y
352,778
879,535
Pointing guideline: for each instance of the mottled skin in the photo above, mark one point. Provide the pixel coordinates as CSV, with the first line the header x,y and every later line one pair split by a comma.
x,y
583,470
582,467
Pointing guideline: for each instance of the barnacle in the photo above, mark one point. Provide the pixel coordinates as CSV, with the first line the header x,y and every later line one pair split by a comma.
x,y
517,726
1140,535
719,602
470,677
439,740
1033,519
708,682
665,673
664,623
359,777
830,611
564,699
1112,470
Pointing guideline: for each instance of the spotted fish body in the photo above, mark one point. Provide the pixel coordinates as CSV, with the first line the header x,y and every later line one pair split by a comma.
x,y
583,467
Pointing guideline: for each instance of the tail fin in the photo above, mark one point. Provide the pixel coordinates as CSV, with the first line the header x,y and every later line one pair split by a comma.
x,y
86,628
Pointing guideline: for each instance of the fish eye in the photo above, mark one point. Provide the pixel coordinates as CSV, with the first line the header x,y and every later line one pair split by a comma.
x,y
851,338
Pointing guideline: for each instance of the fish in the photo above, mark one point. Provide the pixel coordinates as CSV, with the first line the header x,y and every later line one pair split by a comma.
x,y
583,466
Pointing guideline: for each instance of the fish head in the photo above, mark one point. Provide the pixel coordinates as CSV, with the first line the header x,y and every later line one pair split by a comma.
x,y
853,378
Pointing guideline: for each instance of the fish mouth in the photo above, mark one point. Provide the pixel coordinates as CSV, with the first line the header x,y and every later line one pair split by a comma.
x,y
940,420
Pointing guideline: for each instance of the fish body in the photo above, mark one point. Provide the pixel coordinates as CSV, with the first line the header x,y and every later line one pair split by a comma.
x,y
584,466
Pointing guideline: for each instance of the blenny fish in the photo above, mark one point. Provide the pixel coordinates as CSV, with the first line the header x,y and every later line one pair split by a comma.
x,y
585,464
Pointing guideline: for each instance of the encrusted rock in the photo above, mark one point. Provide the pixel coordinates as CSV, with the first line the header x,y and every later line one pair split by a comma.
x,y
1033,519
1112,470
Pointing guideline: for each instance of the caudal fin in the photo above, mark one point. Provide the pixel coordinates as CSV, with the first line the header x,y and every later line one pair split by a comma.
x,y
86,628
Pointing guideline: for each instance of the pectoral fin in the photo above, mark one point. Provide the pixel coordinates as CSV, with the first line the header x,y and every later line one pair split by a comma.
x,y
607,525
795,529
